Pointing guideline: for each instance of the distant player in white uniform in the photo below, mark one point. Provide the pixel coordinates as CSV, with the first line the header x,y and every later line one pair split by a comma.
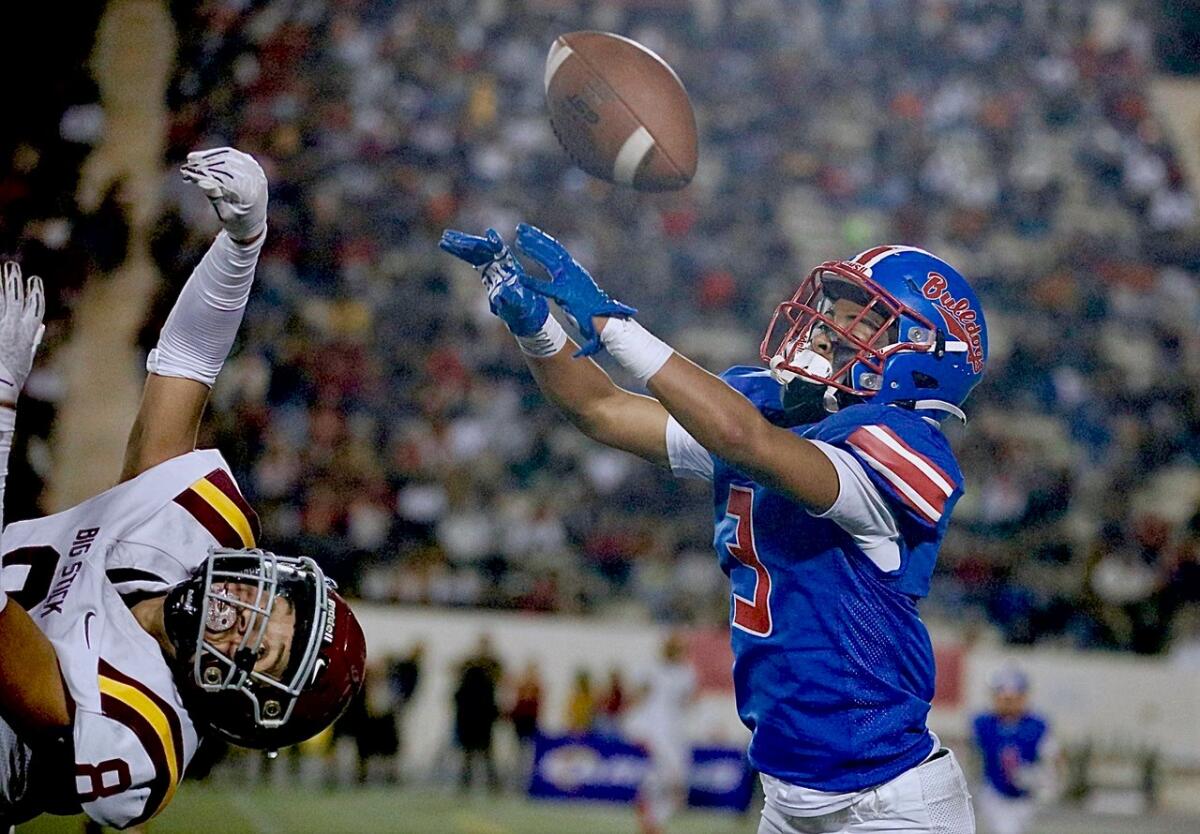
x,y
658,722
146,615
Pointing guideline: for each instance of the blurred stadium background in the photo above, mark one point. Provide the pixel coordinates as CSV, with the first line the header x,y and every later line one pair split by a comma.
x,y
379,419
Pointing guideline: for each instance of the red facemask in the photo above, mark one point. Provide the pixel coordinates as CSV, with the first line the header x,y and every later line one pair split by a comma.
x,y
797,321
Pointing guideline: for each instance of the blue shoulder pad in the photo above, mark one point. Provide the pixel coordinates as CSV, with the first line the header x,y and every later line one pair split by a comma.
x,y
908,459
758,386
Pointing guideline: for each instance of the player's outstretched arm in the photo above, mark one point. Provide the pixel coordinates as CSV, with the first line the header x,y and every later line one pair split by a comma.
x,y
202,326
22,306
599,408
728,425
581,390
718,417
32,698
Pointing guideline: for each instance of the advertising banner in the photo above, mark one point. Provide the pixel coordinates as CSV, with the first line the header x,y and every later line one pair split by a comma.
x,y
610,769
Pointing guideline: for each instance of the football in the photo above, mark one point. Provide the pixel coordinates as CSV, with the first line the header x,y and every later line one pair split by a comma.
x,y
620,112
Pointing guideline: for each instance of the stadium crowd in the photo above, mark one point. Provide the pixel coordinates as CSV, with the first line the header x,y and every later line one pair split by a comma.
x,y
380,419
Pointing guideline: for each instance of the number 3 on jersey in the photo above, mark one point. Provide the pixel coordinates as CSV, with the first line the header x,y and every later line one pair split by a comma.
x,y
750,615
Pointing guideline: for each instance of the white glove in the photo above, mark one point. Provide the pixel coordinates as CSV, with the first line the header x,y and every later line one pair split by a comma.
x,y
22,305
235,185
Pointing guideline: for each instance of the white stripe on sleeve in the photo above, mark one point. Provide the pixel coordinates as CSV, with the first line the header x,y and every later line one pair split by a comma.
x,y
893,442
688,458
861,511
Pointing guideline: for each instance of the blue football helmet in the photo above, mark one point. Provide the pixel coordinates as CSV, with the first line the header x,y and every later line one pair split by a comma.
x,y
919,339
1009,679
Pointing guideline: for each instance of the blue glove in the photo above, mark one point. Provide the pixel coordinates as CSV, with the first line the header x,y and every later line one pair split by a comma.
x,y
570,286
522,310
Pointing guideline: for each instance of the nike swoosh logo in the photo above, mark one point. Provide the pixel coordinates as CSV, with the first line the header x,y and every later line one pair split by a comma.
x,y
87,623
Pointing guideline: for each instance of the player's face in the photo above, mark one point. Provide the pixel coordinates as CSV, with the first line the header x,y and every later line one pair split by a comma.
x,y
1009,704
847,315
228,625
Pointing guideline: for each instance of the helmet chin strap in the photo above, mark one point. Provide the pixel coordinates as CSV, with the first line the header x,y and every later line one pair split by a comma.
x,y
811,361
940,405
782,375
830,400
803,400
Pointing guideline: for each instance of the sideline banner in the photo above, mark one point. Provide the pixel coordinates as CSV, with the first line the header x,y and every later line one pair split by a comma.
x,y
720,778
610,769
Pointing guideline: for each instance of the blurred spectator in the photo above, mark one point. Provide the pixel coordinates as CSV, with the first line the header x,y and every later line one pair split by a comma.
x,y
1185,639
1127,578
610,705
404,674
476,712
581,704
524,714
371,720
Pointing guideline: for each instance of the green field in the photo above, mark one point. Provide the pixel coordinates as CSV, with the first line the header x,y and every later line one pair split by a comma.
x,y
403,811
212,810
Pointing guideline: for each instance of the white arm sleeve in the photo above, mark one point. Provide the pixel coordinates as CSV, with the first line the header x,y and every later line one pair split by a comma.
x,y
688,458
8,423
859,508
200,331
861,511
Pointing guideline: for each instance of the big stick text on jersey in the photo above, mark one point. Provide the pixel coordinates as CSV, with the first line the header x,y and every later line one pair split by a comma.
x,y
76,572
834,670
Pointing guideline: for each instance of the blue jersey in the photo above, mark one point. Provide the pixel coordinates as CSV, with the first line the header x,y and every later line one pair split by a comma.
x,y
1007,746
833,668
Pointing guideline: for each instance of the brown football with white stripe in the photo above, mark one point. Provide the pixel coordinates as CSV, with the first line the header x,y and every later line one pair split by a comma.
x,y
620,112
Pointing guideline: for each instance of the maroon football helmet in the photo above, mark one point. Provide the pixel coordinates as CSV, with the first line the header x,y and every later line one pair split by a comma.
x,y
233,616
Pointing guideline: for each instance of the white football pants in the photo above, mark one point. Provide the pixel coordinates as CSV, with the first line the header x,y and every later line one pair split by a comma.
x,y
931,798
664,788
1006,814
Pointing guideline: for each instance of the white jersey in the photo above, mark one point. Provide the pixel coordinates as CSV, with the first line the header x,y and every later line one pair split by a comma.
x,y
659,718
659,722
76,573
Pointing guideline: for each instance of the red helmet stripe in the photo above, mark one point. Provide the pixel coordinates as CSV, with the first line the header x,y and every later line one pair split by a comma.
x,y
864,258
873,256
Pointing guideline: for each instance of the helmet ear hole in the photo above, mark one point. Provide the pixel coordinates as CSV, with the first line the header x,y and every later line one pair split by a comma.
x,y
923,380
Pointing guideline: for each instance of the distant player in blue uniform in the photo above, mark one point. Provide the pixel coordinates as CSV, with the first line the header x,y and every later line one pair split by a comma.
x,y
1018,756
832,488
